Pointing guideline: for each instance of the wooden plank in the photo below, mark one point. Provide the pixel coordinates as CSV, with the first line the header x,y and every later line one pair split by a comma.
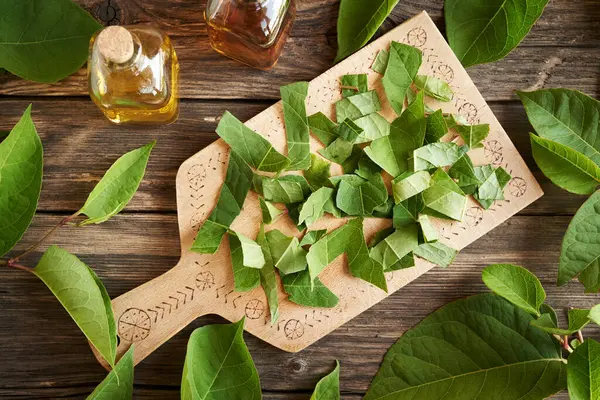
x,y
549,55
73,164
41,348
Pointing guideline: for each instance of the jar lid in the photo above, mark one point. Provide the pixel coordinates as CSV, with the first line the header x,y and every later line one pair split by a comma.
x,y
115,43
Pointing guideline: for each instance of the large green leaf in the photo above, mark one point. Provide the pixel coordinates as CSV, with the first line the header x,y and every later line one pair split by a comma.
x,y
481,347
117,187
357,106
250,146
293,97
328,388
482,31
231,199
244,278
84,297
578,319
308,292
268,275
403,64
564,166
44,41
218,365
565,116
21,168
361,199
118,384
407,134
517,285
396,246
357,23
580,253
583,372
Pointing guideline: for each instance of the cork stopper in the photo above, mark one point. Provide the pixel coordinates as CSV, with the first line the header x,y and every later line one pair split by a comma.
x,y
115,43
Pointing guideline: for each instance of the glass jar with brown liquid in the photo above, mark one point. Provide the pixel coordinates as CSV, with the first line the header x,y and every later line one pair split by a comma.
x,y
133,75
253,32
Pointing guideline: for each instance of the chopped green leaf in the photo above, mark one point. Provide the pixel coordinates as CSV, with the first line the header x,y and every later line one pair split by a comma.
x,y
251,252
394,247
21,170
229,205
338,151
430,234
293,97
410,184
374,126
250,146
434,87
318,174
354,84
83,295
328,388
317,205
311,237
286,189
245,278
361,265
361,199
436,127
278,243
268,274
367,169
324,251
444,198
381,62
269,212
437,253
308,292
408,261
293,259
407,212
403,64
349,131
517,285
473,135
323,128
357,106
435,155
464,172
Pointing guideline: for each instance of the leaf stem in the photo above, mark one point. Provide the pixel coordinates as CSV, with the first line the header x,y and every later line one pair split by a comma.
x,y
12,262
350,88
580,336
19,266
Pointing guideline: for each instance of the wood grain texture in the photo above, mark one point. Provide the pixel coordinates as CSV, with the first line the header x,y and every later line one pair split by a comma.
x,y
48,356
74,165
547,56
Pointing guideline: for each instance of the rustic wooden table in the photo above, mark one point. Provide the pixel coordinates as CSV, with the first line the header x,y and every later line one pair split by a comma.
x,y
43,354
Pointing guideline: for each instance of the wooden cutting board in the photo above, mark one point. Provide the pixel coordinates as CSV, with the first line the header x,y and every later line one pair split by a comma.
x,y
203,284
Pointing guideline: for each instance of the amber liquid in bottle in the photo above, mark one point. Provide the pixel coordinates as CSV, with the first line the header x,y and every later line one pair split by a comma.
x,y
253,32
133,75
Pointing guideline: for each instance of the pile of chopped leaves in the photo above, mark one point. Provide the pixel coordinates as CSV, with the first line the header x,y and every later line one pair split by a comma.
x,y
418,156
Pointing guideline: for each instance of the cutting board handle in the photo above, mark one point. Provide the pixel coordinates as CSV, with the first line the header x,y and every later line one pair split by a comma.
x,y
152,313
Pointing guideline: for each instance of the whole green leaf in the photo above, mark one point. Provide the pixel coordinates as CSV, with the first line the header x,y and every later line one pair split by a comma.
x,y
325,250
229,205
269,212
338,151
361,265
354,84
323,128
311,237
407,212
407,133
293,97
578,319
357,23
84,297
473,135
583,371
434,87
374,126
517,285
381,61
117,187
394,247
481,31
328,388
435,155
568,117
268,279
594,314
252,255
293,259
308,292
44,41
437,253
564,166
444,198
580,252
357,106
409,184
118,384
317,205
318,174
429,232
254,149
21,169
466,350
404,62
286,189
547,309
218,365
244,278
349,131
363,198
464,172
436,127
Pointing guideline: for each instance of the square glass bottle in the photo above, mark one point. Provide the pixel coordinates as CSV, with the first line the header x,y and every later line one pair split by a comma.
x,y
133,75
253,32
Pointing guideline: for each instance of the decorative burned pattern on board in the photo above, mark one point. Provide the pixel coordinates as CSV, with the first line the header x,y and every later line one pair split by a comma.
x,y
210,277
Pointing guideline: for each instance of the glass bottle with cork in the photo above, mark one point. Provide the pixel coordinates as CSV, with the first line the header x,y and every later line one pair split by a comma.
x,y
133,75
253,32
